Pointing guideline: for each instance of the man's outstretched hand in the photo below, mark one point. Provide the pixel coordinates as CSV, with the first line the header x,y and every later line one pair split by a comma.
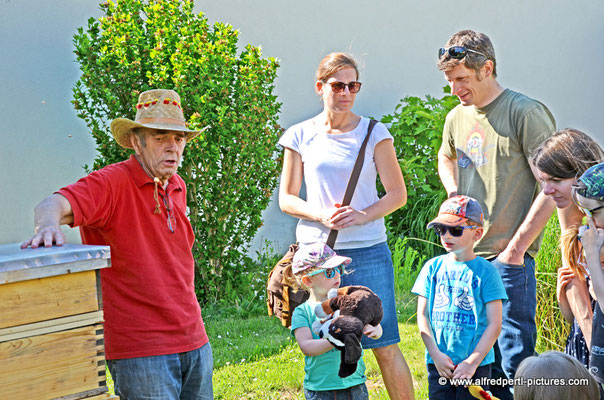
x,y
47,236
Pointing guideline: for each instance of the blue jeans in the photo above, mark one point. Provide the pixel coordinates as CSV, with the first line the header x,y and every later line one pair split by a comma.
x,y
372,267
177,376
518,329
439,390
358,392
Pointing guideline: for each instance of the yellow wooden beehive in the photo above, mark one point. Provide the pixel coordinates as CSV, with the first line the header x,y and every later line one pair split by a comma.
x,y
51,323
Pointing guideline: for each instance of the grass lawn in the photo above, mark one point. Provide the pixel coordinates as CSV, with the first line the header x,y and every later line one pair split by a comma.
x,y
256,358
278,372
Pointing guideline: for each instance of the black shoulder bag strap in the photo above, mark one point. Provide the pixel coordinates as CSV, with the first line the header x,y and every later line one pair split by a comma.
x,y
352,182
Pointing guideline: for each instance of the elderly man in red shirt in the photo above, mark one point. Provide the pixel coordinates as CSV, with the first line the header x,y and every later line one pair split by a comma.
x,y
155,340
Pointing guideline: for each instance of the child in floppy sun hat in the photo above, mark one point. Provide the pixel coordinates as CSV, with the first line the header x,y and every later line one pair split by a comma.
x,y
318,268
459,302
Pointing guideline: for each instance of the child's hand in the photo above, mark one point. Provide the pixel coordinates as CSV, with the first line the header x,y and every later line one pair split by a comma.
x,y
592,240
374,332
444,365
464,370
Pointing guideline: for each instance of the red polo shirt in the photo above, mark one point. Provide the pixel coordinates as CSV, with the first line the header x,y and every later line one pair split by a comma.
x,y
149,299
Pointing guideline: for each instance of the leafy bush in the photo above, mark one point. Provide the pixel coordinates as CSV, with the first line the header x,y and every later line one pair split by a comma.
x,y
250,298
231,172
405,260
417,127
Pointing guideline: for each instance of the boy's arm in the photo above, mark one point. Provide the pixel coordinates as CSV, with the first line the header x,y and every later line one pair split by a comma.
x,y
443,363
309,346
467,368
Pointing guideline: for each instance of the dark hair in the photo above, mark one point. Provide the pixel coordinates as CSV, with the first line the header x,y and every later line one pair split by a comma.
x,y
333,63
474,41
568,153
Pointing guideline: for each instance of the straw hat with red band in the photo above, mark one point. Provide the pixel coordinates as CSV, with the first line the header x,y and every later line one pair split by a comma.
x,y
156,109
457,210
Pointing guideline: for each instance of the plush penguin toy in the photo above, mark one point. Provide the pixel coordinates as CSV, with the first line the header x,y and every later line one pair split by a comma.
x,y
345,313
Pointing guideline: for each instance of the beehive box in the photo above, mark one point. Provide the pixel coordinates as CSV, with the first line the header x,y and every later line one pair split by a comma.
x,y
51,322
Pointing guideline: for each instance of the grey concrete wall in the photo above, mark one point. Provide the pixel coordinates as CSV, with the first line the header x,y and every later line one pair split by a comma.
x,y
549,50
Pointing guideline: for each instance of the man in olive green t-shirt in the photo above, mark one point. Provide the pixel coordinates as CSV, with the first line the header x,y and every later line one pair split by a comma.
x,y
487,142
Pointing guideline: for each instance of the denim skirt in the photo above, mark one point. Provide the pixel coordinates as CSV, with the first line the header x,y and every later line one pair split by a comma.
x,y
372,267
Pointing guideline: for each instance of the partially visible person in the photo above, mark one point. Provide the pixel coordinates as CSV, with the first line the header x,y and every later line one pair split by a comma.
x,y
459,303
487,142
540,374
155,340
321,151
588,194
560,160
317,268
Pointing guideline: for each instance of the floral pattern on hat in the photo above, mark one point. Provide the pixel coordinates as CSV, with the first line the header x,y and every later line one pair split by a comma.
x,y
317,255
593,179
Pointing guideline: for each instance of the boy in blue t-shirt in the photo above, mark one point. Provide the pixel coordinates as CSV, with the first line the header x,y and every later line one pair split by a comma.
x,y
459,304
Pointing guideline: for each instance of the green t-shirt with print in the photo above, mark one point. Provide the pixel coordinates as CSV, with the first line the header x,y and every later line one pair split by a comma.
x,y
321,372
492,146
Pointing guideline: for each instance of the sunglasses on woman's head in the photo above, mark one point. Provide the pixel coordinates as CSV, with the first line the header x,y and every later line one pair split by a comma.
x,y
457,52
456,231
338,87
329,272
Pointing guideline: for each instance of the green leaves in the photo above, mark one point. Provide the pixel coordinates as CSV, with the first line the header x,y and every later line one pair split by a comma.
x,y
231,171
417,126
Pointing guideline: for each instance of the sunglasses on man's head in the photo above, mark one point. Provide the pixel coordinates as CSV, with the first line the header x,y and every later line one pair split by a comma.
x,y
338,87
329,272
456,231
457,52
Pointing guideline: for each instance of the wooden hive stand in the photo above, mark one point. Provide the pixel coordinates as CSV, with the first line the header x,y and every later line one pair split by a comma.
x,y
51,323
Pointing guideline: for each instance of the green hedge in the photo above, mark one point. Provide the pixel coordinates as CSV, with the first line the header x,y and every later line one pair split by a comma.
x,y
232,171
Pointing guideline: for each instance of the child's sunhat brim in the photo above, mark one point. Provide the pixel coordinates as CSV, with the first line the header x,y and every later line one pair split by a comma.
x,y
331,262
335,261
